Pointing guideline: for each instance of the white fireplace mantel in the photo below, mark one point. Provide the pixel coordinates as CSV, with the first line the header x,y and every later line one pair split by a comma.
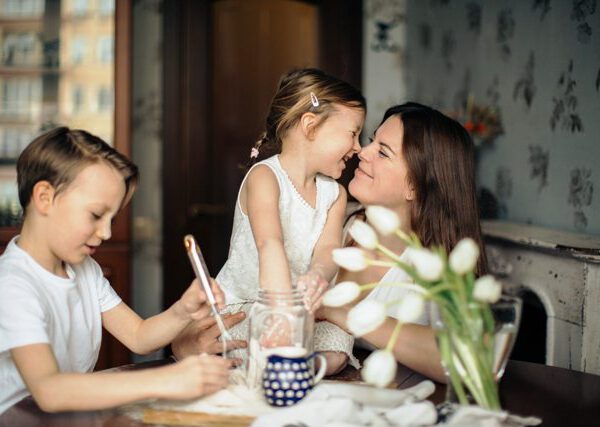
x,y
563,270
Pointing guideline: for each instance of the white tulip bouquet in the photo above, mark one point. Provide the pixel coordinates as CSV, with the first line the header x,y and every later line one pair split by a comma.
x,y
466,342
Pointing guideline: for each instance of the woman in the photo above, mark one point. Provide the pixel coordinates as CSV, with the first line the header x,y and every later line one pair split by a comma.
x,y
419,164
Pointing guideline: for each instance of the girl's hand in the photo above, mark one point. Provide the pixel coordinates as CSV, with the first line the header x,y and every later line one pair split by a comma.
x,y
194,304
193,377
314,286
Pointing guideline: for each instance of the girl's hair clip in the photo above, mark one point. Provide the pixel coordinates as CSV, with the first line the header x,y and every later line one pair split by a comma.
x,y
314,100
254,153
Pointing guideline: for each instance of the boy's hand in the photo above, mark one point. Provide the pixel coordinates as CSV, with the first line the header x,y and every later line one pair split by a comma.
x,y
194,304
314,286
194,376
203,335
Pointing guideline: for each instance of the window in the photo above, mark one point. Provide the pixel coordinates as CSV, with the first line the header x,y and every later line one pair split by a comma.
x,y
77,100
80,7
21,95
105,100
78,50
107,7
21,8
104,49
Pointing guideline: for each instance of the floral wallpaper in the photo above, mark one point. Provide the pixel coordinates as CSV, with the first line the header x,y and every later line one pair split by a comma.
x,y
537,62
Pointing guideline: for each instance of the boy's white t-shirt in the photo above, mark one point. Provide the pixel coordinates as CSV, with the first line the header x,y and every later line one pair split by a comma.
x,y
37,306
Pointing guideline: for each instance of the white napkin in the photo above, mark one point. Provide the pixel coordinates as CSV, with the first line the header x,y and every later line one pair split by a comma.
x,y
474,416
337,404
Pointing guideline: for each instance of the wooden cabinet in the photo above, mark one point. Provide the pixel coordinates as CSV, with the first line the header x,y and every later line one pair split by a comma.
x,y
68,47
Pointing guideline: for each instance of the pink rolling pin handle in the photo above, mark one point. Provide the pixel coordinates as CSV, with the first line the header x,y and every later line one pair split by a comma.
x,y
199,266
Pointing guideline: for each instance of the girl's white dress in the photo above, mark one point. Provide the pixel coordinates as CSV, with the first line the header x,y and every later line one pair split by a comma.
x,y
302,226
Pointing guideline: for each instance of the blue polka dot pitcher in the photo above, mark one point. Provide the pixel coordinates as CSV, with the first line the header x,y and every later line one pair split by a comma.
x,y
288,376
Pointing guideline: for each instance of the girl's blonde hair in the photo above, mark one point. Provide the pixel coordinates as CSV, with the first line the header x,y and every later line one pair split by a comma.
x,y
301,91
58,155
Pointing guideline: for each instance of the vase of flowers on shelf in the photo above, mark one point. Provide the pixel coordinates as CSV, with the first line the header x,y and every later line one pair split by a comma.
x,y
483,122
475,325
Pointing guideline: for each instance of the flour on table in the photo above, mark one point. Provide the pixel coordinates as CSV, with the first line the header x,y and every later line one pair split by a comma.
x,y
236,399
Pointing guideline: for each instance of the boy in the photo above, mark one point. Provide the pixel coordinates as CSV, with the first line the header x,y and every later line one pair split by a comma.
x,y
54,299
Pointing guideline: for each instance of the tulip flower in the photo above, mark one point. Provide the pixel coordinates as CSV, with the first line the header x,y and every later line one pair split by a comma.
x,y
352,259
379,368
366,317
363,234
429,265
341,294
383,219
487,289
463,257
411,307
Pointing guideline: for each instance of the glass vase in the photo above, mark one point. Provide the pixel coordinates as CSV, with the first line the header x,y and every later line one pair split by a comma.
x,y
475,342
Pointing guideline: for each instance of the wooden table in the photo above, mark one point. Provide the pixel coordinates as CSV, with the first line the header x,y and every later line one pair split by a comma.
x,y
561,397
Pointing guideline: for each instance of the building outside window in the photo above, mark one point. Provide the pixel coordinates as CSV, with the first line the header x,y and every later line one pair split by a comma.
x,y
77,99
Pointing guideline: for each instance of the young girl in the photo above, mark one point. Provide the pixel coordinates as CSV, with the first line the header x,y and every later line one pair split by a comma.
x,y
54,299
290,210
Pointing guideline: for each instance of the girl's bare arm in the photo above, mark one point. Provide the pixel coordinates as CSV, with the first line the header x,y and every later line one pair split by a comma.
x,y
262,204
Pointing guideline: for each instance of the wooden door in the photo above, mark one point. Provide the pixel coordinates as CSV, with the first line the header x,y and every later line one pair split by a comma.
x,y
222,62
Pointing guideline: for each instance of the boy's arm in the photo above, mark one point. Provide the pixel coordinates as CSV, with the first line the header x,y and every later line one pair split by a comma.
x,y
61,391
146,336
262,202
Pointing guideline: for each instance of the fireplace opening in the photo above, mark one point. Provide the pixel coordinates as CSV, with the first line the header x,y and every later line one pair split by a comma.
x,y
530,345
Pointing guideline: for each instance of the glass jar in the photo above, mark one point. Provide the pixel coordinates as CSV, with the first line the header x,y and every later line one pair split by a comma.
x,y
278,319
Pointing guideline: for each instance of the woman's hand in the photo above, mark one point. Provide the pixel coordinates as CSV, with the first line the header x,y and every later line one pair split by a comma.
x,y
314,286
194,304
336,315
194,376
203,335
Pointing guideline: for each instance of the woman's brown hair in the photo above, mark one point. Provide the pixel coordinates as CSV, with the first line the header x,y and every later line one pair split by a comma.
x,y
439,154
298,92
58,155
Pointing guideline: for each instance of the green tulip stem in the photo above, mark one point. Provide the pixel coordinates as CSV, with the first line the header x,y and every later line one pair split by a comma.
x,y
404,237
394,336
381,263
404,285
368,286
388,253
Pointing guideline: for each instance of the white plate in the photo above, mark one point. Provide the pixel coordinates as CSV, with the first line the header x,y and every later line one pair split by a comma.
x,y
378,397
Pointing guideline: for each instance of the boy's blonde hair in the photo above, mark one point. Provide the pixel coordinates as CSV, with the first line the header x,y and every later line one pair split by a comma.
x,y
58,155
301,91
